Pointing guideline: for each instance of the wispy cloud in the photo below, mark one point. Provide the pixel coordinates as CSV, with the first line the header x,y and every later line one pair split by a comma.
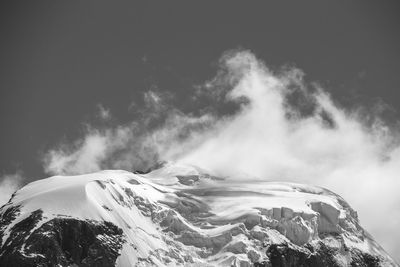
x,y
103,112
158,134
9,183
281,128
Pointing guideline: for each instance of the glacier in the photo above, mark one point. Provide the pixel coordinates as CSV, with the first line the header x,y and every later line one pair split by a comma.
x,y
181,215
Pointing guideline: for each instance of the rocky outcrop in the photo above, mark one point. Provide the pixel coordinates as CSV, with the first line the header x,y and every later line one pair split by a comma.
x,y
60,242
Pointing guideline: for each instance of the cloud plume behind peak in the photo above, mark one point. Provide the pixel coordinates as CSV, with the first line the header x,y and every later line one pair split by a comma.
x,y
280,128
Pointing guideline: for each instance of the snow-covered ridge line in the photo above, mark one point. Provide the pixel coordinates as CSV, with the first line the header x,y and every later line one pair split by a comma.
x,y
179,215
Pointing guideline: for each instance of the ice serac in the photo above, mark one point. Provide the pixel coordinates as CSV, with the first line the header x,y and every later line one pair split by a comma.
x,y
179,215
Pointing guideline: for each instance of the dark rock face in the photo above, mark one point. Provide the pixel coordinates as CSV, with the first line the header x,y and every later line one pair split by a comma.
x,y
8,216
59,242
283,255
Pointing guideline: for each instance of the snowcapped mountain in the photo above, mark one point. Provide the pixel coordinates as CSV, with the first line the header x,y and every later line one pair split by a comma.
x,y
179,215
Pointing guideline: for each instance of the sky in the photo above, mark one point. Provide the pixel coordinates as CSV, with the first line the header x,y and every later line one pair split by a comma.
x,y
309,89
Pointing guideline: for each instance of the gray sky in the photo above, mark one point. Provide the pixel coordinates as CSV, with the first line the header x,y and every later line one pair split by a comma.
x,y
59,60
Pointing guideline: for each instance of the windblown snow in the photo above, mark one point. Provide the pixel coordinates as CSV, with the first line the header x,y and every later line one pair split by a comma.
x,y
180,215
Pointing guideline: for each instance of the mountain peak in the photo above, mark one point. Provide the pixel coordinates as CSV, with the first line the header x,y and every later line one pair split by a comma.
x,y
180,215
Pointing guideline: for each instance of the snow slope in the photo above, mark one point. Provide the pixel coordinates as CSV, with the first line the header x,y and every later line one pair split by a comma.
x,y
180,215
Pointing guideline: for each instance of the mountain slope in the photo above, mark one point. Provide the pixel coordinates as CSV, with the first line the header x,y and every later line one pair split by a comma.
x,y
180,215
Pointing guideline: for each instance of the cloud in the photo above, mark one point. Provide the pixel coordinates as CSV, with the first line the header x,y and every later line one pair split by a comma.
x,y
103,112
157,135
280,129
280,138
9,183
